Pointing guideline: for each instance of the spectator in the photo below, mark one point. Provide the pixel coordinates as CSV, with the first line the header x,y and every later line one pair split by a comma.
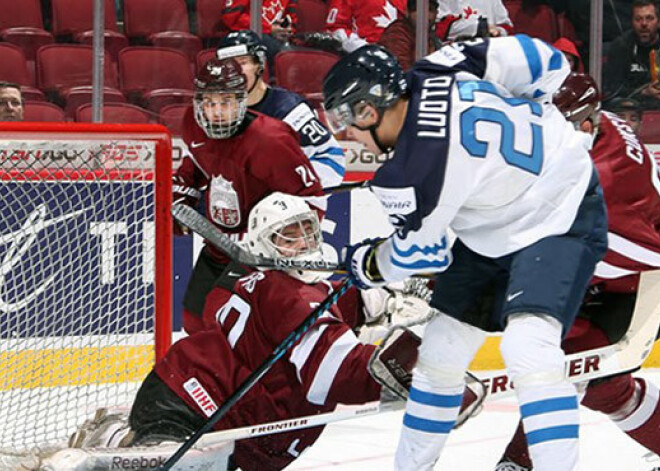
x,y
278,22
628,70
399,36
11,102
462,19
571,53
359,22
629,110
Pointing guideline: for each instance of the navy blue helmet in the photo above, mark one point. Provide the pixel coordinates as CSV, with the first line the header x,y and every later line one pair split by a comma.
x,y
230,46
369,75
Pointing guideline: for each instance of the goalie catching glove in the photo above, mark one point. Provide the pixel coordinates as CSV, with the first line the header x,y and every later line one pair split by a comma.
x,y
384,308
392,364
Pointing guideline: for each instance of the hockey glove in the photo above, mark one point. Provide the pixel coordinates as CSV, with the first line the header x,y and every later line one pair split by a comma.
x,y
361,264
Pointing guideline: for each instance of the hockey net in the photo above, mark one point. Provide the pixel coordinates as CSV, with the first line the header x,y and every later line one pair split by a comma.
x,y
85,272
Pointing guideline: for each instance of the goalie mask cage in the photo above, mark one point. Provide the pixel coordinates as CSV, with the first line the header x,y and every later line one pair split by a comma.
x,y
85,272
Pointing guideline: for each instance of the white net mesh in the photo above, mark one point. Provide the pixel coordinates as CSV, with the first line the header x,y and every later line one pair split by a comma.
x,y
77,265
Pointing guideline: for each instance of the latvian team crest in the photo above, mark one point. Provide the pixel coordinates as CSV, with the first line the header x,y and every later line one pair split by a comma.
x,y
223,202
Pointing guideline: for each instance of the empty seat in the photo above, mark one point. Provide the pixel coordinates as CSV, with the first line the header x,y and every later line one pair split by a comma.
x,y
512,7
78,96
14,69
21,23
311,16
172,117
74,20
148,72
303,71
115,113
538,21
42,111
63,66
209,22
650,133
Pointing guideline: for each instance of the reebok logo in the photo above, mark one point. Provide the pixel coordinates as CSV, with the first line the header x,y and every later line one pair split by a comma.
x,y
511,297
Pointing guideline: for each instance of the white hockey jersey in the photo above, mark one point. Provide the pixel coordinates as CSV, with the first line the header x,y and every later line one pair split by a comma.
x,y
483,151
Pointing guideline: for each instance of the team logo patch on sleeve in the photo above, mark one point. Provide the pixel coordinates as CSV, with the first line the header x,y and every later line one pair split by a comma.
x,y
223,201
201,396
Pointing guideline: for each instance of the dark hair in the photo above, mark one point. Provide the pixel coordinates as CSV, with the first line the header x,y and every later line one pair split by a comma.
x,y
618,105
412,5
10,85
645,3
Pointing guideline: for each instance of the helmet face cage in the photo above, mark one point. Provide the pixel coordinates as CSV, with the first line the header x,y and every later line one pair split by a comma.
x,y
283,226
296,237
220,100
226,108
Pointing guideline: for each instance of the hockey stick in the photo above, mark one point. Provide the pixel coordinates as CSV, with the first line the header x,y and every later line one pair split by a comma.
x,y
260,371
202,226
345,187
625,356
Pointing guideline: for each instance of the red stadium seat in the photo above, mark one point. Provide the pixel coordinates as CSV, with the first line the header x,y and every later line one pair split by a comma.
x,y
14,69
64,66
303,71
115,113
172,117
209,22
311,16
539,21
187,43
78,96
42,111
74,20
512,6
143,71
21,23
650,133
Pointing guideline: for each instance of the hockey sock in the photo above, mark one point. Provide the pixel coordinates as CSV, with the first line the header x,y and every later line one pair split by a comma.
x,y
430,415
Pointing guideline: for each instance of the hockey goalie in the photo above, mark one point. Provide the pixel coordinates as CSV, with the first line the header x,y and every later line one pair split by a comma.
x,y
247,315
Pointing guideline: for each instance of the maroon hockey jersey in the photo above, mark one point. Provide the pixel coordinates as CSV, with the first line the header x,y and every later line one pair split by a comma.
x,y
631,185
236,173
326,367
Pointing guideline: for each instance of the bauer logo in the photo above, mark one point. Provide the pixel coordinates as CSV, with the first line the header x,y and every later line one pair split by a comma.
x,y
76,250
201,396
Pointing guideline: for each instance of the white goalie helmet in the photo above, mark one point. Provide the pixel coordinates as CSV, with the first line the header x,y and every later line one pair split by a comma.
x,y
283,226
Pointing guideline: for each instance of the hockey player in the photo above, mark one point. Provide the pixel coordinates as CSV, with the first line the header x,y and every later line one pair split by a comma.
x,y
238,157
359,22
248,314
318,144
632,192
479,148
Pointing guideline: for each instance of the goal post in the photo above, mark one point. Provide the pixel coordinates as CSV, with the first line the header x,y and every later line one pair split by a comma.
x,y
85,271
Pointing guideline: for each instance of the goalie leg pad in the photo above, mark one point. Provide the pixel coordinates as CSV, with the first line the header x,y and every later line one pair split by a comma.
x,y
392,362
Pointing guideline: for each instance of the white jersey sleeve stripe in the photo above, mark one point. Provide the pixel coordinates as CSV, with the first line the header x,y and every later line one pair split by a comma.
x,y
325,375
629,249
301,352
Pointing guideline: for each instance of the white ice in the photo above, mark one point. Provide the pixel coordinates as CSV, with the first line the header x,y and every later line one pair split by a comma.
x,y
368,444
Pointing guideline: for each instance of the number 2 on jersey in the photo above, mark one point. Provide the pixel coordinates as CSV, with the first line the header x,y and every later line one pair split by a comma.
x,y
530,162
